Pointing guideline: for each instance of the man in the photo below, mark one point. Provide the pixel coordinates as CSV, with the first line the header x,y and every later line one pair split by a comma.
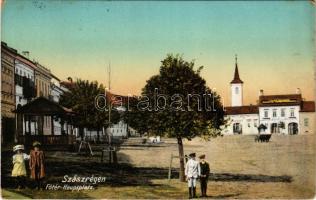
x,y
192,172
205,170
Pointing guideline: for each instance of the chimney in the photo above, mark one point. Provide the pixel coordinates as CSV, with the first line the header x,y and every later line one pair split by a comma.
x,y
298,91
69,79
261,93
26,54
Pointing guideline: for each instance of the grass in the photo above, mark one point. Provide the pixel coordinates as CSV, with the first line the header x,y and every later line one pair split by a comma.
x,y
283,168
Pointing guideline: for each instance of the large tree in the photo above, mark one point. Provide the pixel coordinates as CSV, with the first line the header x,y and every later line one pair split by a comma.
x,y
81,99
177,103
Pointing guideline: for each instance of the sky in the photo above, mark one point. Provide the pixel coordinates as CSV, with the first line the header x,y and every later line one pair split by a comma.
x,y
274,41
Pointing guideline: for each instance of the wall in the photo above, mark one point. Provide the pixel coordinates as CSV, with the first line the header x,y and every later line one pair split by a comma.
x,y
249,123
310,126
237,99
286,119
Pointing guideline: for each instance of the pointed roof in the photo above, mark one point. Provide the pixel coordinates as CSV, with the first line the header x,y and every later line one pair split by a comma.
x,y
43,106
236,75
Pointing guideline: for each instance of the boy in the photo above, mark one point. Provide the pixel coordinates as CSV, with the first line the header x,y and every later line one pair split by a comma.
x,y
205,170
192,172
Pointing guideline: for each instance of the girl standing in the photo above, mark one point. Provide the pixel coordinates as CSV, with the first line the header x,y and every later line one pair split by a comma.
x,y
19,171
37,162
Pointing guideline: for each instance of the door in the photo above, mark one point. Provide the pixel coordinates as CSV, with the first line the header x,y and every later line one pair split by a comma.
x,y
274,128
293,128
237,128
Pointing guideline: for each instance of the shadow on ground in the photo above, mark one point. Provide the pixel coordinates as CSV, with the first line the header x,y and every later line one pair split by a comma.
x,y
226,177
119,175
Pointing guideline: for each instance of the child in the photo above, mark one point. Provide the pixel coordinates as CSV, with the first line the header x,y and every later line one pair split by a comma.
x,y
19,171
192,172
37,164
205,171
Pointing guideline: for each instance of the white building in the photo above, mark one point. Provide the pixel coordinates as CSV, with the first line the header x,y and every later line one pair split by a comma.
x,y
56,90
281,114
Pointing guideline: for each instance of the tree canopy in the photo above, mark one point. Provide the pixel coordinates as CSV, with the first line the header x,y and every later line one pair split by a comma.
x,y
178,103
81,99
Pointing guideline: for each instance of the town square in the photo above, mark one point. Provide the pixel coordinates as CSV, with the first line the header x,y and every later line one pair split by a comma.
x,y
157,100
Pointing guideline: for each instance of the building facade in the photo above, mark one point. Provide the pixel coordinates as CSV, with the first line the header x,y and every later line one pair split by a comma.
x,y
7,93
287,114
43,89
24,80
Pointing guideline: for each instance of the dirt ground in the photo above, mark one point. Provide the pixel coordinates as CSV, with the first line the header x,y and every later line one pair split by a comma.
x,y
240,168
282,168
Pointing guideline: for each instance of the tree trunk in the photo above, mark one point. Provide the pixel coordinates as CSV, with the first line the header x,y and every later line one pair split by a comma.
x,y
181,158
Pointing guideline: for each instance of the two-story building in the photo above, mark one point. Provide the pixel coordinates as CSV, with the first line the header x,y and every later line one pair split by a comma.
x,y
280,114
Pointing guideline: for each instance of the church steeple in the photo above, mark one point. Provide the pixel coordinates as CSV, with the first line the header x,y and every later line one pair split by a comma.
x,y
236,86
236,75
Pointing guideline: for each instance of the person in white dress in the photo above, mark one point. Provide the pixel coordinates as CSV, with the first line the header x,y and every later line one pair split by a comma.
x,y
192,173
18,161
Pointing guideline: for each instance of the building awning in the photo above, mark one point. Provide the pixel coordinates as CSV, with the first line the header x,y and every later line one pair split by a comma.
x,y
280,100
43,106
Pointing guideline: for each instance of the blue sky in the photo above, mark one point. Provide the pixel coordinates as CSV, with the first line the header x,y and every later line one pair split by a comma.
x,y
79,39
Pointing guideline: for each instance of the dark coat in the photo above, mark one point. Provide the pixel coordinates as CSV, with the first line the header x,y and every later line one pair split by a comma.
x,y
37,161
205,169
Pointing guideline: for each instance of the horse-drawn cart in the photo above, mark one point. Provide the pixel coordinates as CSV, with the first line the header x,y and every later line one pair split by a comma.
x,y
262,138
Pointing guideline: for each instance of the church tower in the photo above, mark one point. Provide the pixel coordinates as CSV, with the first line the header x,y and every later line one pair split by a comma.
x,y
236,86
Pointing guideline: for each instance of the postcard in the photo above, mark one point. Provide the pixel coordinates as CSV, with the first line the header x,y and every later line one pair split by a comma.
x,y
157,99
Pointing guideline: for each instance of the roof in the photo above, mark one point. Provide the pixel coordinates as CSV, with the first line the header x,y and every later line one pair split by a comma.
x,y
17,56
43,106
236,75
308,106
280,100
55,77
67,84
116,100
4,46
237,110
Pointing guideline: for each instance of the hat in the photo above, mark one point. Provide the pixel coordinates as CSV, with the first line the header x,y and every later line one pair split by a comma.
x,y
18,147
36,144
202,156
192,154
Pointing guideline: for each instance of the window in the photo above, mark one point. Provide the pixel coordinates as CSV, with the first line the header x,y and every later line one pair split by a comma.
x,y
236,90
292,112
306,122
274,114
283,112
255,123
266,113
